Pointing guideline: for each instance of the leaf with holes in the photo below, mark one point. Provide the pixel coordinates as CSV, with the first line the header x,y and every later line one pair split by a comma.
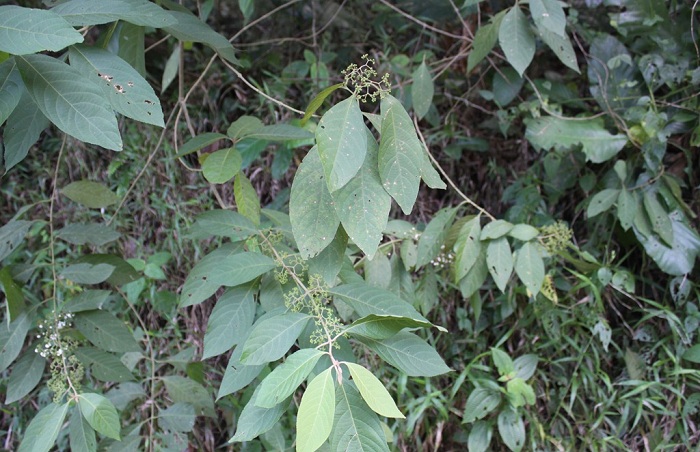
x,y
480,403
28,30
70,100
127,92
342,142
499,260
512,429
316,412
516,39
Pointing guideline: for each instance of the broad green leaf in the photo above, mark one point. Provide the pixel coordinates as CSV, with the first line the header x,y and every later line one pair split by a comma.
x,y
247,202
678,259
255,420
92,233
342,142
659,217
11,236
562,48
23,128
286,378
14,298
602,201
243,127
329,261
220,166
525,366
125,393
237,375
85,273
524,232
225,266
178,417
106,331
400,154
317,101
104,366
408,353
123,272
548,15
480,437
25,375
171,69
506,86
199,142
496,229
499,259
316,412
43,430
186,390
81,434
366,300
273,337
100,414
480,403
12,338
519,392
132,46
376,326
87,300
363,205
432,239
73,103
137,12
516,39
422,90
356,428
11,88
280,132
190,28
484,41
127,91
627,205
503,362
476,276
90,194
597,143
223,223
373,392
692,354
311,210
529,267
230,319
429,174
27,30
512,429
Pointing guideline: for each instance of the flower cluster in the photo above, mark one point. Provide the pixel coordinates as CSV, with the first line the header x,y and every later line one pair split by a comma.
x,y
555,237
315,300
58,349
443,260
361,80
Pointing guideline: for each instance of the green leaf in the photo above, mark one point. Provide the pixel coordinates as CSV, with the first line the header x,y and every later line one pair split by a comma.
x,y
506,86
225,266
597,143
172,66
476,276
317,101
137,12
384,326
125,393
525,366
92,233
692,354
422,90
520,393
106,331
484,41
127,91
678,259
67,97
400,154
432,239
429,174
87,273
223,223
286,378
627,205
220,166
562,48
280,132
244,127
366,300
23,128
480,403
12,338
273,337
104,366
516,39
529,267
524,232
499,260
27,30
363,205
316,412
190,28
11,236
90,194
230,319
14,298
548,15
342,142
132,46
511,429
247,202
186,390
100,414
480,437
254,420
178,417
237,375
82,436
11,88
199,142
408,353
311,210
123,272
373,392
602,201
329,261
659,217
503,362
43,429
496,229
355,427
26,374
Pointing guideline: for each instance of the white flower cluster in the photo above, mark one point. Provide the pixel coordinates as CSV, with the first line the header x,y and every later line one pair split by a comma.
x,y
51,334
443,260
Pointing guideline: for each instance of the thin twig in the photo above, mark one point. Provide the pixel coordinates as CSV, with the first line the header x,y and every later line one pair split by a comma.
x,y
423,24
